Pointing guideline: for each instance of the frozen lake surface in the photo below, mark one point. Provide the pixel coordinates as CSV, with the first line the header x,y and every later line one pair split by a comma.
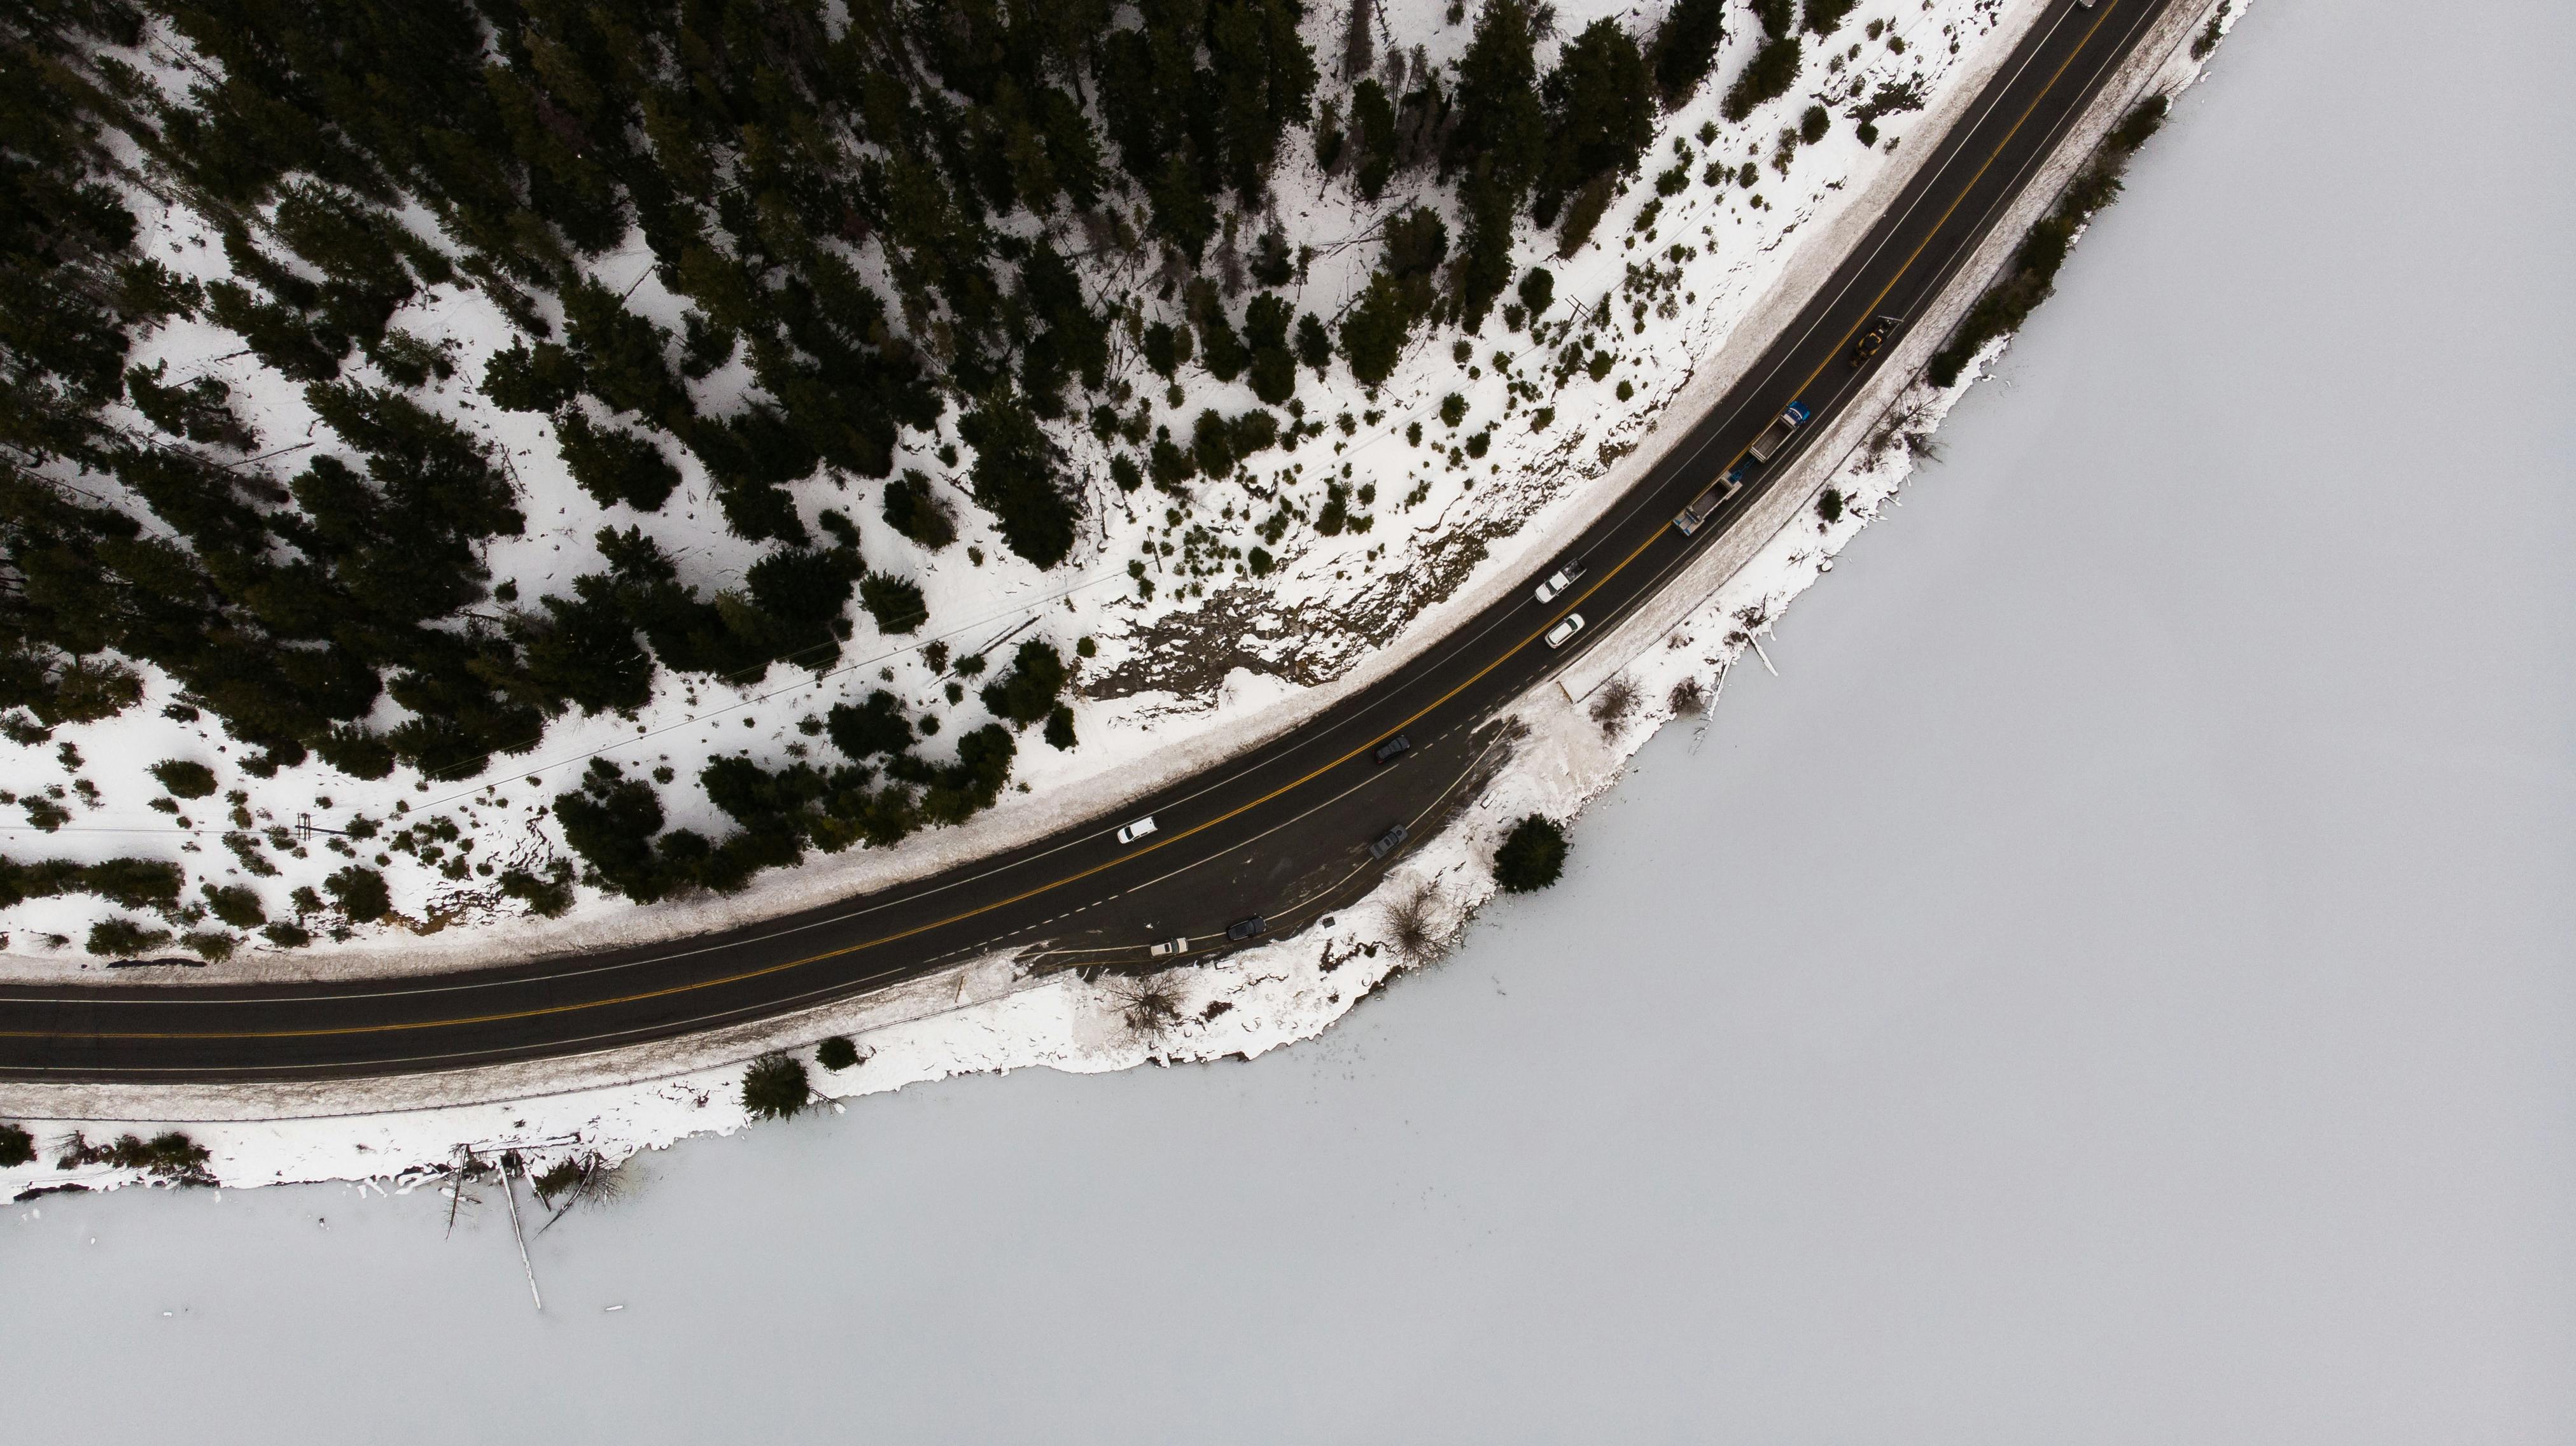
x,y
2114,986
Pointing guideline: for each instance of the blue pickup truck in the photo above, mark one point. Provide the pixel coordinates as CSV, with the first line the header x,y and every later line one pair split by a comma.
x,y
1776,436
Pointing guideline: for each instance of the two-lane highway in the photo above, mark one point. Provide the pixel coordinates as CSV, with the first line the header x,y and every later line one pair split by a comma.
x,y
1280,832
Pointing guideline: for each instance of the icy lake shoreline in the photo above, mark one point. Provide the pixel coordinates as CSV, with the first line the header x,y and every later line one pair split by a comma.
x,y
2111,987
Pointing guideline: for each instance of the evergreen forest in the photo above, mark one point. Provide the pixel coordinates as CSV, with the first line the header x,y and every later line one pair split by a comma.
x,y
882,222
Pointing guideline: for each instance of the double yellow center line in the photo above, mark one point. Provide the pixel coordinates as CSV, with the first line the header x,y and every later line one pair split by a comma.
x,y
745,975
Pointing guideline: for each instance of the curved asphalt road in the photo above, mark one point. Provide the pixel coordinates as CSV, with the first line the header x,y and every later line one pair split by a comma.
x,y
1281,831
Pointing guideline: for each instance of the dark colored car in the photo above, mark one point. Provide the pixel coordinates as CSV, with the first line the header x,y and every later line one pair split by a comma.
x,y
1871,340
1392,749
1388,842
1243,929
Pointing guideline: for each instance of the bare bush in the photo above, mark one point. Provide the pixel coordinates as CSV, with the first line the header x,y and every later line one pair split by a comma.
x,y
1612,705
1151,1008
1689,696
1412,924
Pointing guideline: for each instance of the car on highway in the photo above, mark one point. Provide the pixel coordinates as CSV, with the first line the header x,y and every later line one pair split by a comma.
x,y
1136,830
1388,842
1776,436
1242,929
1565,630
1880,329
1167,948
1567,574
1392,749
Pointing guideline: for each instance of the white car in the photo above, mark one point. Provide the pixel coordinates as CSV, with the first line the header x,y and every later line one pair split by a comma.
x,y
1564,631
1567,574
1136,830
1167,948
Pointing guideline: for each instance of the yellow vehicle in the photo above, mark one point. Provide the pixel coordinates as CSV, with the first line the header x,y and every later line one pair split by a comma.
x,y
1871,340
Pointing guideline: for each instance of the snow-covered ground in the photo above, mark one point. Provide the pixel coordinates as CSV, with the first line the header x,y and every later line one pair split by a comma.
x,y
2122,992
1213,662
985,1015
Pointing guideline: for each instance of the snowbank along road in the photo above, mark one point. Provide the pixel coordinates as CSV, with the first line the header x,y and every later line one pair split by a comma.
x,y
1282,834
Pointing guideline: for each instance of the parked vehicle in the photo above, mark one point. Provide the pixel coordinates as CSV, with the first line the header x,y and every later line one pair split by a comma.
x,y
1167,948
1564,631
1388,842
1136,830
1871,340
1707,502
1392,749
1568,573
1243,929
1776,436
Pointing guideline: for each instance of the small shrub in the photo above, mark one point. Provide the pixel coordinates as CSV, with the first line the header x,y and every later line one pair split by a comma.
x,y
1774,68
585,1179
212,945
1612,705
549,896
1453,409
170,1154
361,893
236,905
1411,924
895,603
287,936
1028,692
1149,1007
1532,856
2207,40
17,1147
774,1087
185,779
1059,728
1813,125
1829,504
914,511
1688,696
837,1053
124,939
556,1180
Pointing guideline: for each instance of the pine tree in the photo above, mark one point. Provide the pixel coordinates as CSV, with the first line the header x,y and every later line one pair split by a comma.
x,y
1600,116
1686,46
1013,478
614,465
1496,148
